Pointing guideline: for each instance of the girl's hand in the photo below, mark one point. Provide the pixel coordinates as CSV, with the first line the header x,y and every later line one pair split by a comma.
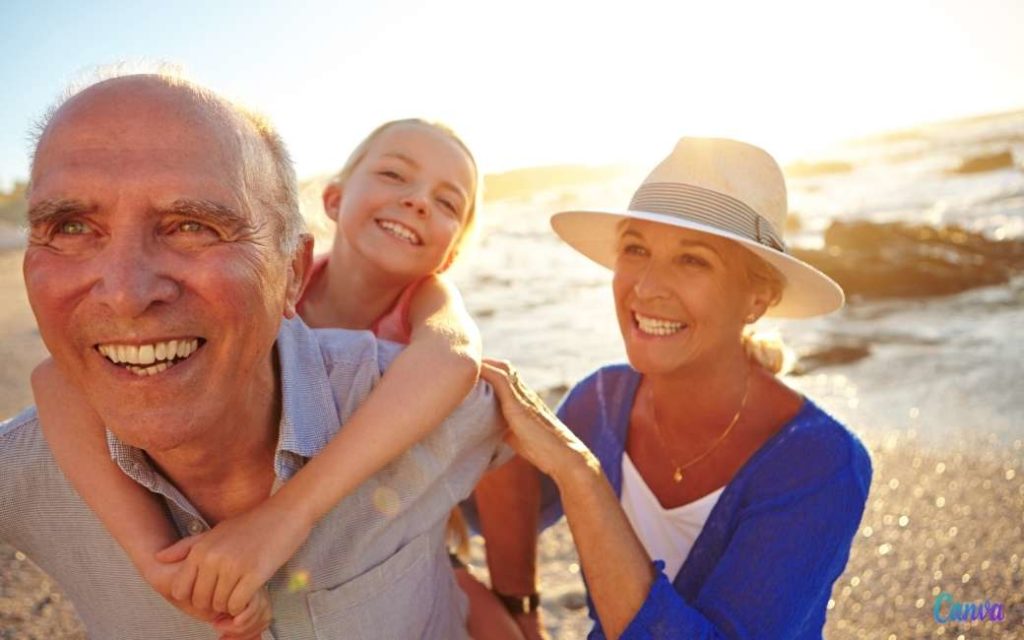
x,y
534,431
221,570
249,624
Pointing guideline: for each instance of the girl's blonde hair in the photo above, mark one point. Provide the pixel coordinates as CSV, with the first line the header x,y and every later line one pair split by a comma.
x,y
766,349
469,224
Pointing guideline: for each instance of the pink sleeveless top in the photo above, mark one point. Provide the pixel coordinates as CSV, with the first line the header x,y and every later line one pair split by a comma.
x,y
394,324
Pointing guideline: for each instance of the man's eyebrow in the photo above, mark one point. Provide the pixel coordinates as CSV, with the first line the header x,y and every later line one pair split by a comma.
x,y
207,210
50,211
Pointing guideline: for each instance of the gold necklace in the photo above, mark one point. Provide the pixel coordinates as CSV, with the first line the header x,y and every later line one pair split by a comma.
x,y
677,475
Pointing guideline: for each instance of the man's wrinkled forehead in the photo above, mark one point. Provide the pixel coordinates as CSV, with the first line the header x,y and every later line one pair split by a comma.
x,y
141,113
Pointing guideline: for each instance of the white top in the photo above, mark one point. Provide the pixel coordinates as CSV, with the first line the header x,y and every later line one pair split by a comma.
x,y
667,534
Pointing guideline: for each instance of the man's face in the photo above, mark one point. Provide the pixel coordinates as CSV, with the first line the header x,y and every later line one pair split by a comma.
x,y
156,282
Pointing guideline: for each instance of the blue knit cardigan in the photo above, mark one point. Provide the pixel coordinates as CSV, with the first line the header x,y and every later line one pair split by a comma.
x,y
779,536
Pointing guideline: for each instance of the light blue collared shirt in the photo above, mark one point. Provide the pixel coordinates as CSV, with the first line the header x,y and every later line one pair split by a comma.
x,y
376,566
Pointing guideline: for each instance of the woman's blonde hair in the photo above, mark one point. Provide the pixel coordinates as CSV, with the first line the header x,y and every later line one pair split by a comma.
x,y
766,349
469,224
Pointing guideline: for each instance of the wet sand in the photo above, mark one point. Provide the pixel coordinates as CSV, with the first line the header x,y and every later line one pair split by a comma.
x,y
942,516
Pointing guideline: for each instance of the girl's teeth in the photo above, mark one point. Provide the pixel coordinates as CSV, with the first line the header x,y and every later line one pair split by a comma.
x,y
399,231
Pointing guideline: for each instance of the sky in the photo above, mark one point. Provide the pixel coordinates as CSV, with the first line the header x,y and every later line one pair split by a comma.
x,y
530,82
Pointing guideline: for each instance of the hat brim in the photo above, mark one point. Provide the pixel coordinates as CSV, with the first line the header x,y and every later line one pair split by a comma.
x,y
808,292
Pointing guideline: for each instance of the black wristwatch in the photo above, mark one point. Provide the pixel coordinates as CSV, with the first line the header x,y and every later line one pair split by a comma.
x,y
520,604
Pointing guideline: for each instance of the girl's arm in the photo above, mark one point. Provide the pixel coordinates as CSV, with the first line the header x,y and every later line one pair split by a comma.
x,y
78,440
424,384
131,514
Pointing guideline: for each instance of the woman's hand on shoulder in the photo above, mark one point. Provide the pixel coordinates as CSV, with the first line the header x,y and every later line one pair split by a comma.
x,y
534,431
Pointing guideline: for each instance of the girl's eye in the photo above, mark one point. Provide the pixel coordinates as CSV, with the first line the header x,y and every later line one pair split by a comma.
x,y
448,205
634,250
72,228
390,174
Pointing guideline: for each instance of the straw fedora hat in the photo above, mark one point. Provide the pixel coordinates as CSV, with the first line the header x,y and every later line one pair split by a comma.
x,y
722,187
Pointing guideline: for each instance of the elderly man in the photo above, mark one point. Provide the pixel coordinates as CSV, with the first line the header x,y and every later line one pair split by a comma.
x,y
158,211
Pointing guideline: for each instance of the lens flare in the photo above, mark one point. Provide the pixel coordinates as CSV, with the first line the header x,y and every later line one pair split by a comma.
x,y
385,499
299,581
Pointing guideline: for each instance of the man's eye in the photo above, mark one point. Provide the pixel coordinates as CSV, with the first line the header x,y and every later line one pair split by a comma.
x,y
72,228
191,226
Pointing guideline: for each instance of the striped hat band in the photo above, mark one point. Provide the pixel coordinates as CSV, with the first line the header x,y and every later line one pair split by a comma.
x,y
708,207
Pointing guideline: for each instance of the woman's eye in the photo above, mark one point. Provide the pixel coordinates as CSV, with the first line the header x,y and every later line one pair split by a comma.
x,y
634,250
72,228
692,260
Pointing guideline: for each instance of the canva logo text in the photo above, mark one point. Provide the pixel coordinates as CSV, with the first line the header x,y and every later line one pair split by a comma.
x,y
947,609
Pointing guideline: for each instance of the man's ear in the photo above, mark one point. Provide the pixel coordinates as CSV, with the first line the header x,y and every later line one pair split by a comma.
x,y
300,270
332,200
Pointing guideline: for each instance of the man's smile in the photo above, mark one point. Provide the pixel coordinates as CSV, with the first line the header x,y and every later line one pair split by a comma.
x,y
150,358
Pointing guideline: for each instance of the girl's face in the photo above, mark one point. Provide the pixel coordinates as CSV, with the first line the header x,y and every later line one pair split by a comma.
x,y
681,296
405,204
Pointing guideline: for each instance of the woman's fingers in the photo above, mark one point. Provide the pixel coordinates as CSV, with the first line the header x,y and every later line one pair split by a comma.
x,y
181,589
498,379
504,378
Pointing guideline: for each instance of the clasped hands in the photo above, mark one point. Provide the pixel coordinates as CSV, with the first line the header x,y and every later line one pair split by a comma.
x,y
219,576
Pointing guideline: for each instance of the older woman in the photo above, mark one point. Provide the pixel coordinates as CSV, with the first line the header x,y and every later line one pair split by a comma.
x,y
706,498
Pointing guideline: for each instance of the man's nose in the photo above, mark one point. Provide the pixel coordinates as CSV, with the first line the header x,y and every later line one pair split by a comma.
x,y
131,277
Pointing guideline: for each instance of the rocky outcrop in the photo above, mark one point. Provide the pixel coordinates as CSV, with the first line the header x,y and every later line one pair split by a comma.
x,y
988,162
894,260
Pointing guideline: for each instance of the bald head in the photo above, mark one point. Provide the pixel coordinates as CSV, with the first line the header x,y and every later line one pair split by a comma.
x,y
127,109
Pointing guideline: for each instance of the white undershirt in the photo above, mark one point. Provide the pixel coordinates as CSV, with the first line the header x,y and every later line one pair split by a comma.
x,y
667,534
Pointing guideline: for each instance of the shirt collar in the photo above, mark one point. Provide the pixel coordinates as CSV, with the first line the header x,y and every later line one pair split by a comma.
x,y
309,415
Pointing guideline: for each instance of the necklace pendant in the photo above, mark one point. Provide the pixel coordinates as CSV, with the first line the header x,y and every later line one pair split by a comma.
x,y
678,475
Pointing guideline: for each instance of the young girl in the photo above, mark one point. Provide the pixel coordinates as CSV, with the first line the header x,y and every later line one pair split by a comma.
x,y
404,203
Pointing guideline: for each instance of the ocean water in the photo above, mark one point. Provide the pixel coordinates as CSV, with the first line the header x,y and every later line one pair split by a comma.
x,y
944,371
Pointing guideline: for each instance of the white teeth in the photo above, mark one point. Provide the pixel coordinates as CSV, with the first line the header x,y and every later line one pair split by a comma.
x,y
140,359
656,326
399,231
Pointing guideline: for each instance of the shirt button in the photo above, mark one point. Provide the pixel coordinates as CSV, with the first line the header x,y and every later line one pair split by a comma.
x,y
195,527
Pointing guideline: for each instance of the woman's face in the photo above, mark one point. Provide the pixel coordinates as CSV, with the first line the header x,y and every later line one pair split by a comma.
x,y
681,296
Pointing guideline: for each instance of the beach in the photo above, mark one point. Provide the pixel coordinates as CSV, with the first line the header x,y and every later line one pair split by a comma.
x,y
930,383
